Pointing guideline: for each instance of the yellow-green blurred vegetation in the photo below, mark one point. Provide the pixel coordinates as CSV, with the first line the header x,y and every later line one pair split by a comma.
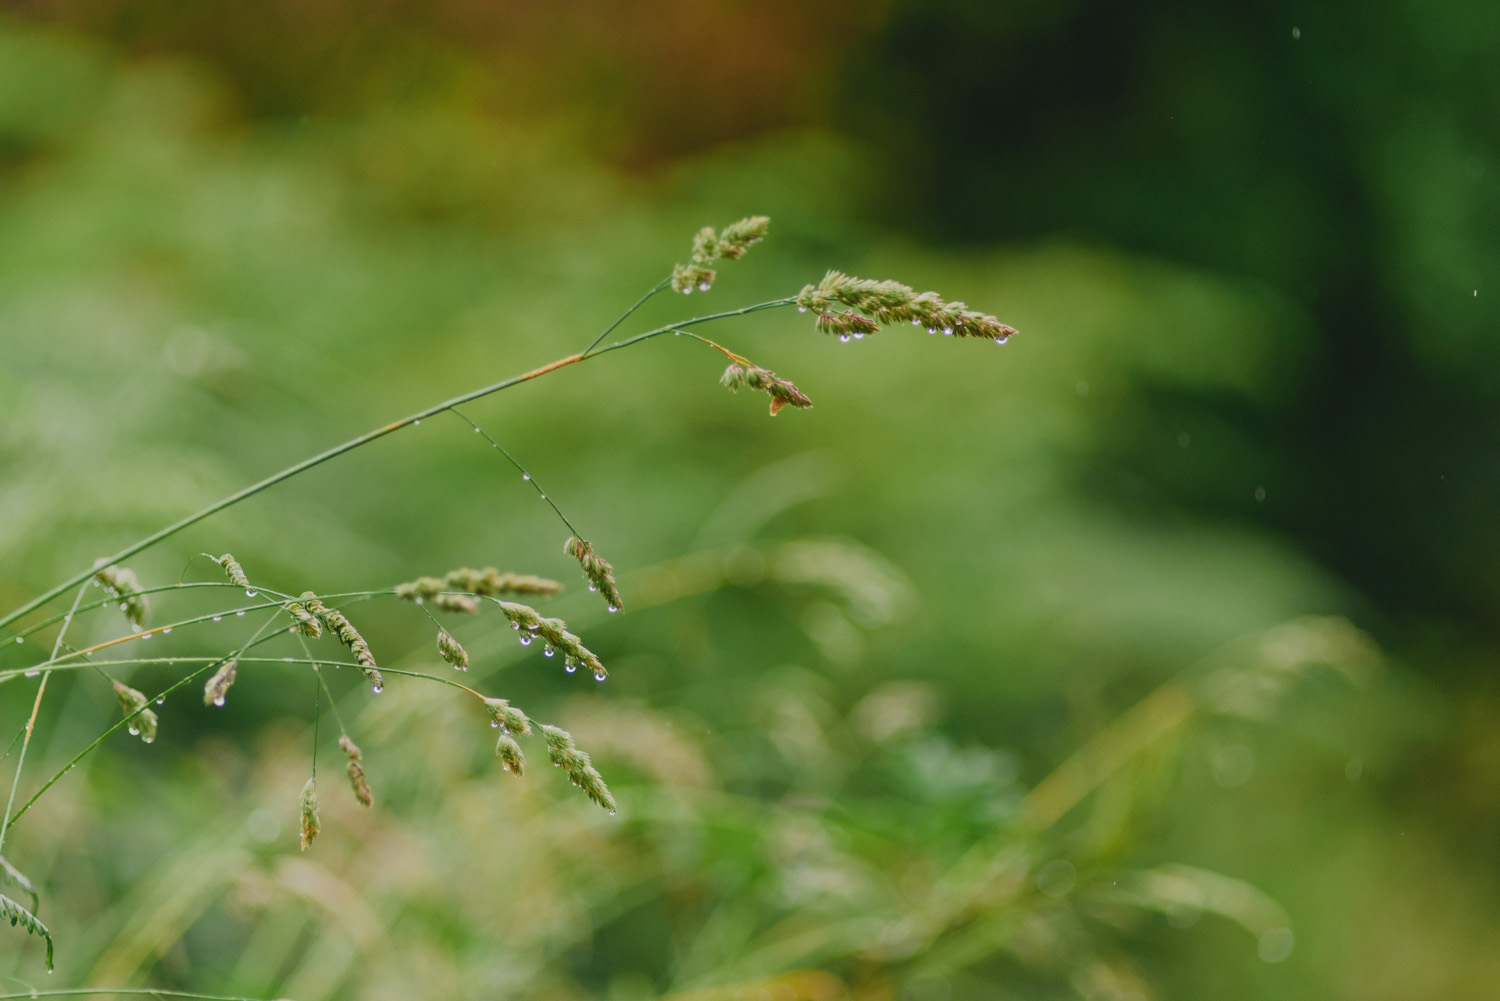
x,y
1149,656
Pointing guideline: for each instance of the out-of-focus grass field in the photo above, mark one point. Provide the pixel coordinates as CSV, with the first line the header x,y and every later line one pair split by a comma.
x,y
1148,656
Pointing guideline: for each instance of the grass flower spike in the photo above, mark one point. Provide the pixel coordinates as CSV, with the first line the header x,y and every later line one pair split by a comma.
x,y
782,392
507,717
18,915
233,570
141,721
340,626
554,632
569,758
357,772
309,826
875,304
451,651
509,752
455,591
217,686
597,569
710,246
123,584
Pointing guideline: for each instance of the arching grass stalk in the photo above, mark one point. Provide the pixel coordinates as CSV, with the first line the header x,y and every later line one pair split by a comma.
x,y
359,441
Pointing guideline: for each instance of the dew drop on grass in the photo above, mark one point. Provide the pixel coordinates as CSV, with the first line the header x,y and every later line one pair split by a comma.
x,y
147,636
494,724
859,335
599,675
703,286
843,338
162,701
571,668
526,476
19,640
801,308
219,700
613,609
525,640
249,593
147,740
947,331
377,689
240,614
135,627
549,652
33,672
416,422
166,630
132,731
218,618
592,587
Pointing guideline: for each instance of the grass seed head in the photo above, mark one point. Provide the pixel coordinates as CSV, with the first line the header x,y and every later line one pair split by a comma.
x,y
233,569
566,755
710,246
123,584
357,771
874,304
309,825
782,391
451,651
509,752
142,721
507,717
340,626
553,632
597,569
217,687
306,621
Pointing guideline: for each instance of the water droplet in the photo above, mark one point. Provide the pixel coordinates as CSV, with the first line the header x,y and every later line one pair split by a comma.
x,y
534,626
801,308
515,625
19,640
549,652
162,701
1001,340
570,668
218,700
599,675
614,608
132,731
287,659
525,640
122,606
843,338
135,627
33,672
687,290
703,286
542,495
611,813
859,335
147,740
218,618
526,476
494,724
68,617
592,587
932,330
947,331
147,636
477,431
166,630
377,689
240,614
249,593
416,422
1296,33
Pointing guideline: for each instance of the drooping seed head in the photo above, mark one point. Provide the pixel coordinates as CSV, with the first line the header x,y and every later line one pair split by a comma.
x,y
566,755
510,754
309,825
597,569
340,626
140,720
782,391
357,771
710,246
874,304
234,571
123,584
217,687
508,716
451,651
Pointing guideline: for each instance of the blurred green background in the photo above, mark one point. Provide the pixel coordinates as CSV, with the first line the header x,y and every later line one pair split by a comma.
x,y
1020,673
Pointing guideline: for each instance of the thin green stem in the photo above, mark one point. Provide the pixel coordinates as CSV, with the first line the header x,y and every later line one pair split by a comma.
x,y
133,991
43,624
317,460
525,473
160,695
626,315
36,707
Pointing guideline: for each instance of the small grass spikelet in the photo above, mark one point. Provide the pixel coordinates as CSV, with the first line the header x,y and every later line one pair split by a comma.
x,y
565,755
338,624
455,591
452,651
507,717
308,827
874,304
554,632
307,622
357,771
509,752
217,687
710,246
18,915
597,569
141,721
782,391
12,876
123,584
233,570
